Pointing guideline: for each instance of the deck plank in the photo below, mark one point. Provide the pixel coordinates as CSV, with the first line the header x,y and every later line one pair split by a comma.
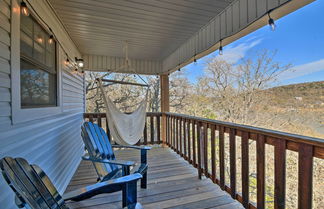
x,y
172,183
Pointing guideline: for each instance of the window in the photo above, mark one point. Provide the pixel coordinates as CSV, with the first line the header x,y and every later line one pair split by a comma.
x,y
38,70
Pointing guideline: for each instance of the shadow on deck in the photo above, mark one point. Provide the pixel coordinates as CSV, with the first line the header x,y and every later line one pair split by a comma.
x,y
172,183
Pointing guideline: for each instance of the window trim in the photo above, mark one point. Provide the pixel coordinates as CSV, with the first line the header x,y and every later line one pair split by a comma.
x,y
20,114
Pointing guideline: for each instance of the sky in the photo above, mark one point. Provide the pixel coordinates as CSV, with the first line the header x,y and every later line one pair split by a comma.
x,y
298,40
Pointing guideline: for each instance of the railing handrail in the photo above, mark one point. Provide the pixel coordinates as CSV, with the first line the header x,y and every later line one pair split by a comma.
x,y
268,132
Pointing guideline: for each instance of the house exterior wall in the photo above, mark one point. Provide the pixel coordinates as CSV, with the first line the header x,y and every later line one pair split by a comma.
x,y
48,137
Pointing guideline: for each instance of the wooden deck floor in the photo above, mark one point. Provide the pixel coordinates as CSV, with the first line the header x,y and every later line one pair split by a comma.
x,y
172,183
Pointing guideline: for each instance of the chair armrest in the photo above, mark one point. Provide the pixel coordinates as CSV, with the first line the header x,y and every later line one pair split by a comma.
x,y
102,187
132,147
113,162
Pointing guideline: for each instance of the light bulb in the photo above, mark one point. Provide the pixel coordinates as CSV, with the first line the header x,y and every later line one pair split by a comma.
x,y
272,24
39,39
220,50
79,62
23,8
51,39
195,62
67,61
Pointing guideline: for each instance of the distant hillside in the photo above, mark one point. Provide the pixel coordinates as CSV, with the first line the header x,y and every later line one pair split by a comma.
x,y
297,95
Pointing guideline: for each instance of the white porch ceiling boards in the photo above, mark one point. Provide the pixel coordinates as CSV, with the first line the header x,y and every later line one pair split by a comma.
x,y
154,28
163,33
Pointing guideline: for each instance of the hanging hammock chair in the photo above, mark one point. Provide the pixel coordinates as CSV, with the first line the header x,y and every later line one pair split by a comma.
x,y
125,128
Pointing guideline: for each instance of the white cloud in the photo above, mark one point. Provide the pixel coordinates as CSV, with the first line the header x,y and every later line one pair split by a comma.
x,y
234,54
302,70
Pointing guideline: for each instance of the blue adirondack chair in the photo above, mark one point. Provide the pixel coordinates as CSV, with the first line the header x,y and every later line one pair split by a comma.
x,y
100,152
33,189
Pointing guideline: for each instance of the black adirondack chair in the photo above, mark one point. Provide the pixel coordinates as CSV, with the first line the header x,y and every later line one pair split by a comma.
x,y
34,189
100,152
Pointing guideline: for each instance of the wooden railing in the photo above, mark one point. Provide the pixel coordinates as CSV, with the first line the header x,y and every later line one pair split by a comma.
x,y
205,144
152,130
196,140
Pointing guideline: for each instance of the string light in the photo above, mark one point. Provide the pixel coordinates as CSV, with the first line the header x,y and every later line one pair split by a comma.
x,y
271,23
23,8
195,60
51,39
220,48
39,39
67,61
79,62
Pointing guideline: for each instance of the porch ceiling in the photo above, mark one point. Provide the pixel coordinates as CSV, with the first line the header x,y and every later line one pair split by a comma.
x,y
163,35
154,28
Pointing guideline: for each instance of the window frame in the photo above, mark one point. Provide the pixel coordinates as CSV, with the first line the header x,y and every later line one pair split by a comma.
x,y
21,114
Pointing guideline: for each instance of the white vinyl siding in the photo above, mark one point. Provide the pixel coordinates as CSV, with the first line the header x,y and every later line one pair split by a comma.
x,y
53,142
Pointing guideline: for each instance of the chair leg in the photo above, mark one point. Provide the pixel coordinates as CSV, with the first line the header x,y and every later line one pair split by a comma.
x,y
144,181
129,194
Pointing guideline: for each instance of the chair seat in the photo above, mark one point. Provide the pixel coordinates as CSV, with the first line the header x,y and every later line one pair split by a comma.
x,y
138,168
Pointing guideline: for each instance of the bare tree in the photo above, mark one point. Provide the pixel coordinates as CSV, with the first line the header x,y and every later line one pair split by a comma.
x,y
236,89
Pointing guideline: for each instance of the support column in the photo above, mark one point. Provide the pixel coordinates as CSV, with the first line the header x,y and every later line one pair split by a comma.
x,y
165,104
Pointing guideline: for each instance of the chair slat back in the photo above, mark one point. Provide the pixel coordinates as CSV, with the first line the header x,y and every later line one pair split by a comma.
x,y
94,140
31,186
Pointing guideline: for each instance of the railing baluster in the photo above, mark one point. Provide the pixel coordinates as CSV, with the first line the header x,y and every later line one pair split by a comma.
x,y
99,120
185,138
180,137
167,130
177,135
172,133
213,153
305,176
189,141
194,139
280,174
260,151
158,129
205,148
91,118
221,157
199,148
232,162
145,132
152,129
245,169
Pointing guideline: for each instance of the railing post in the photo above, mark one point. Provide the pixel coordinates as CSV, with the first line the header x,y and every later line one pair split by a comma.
x,y
165,104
